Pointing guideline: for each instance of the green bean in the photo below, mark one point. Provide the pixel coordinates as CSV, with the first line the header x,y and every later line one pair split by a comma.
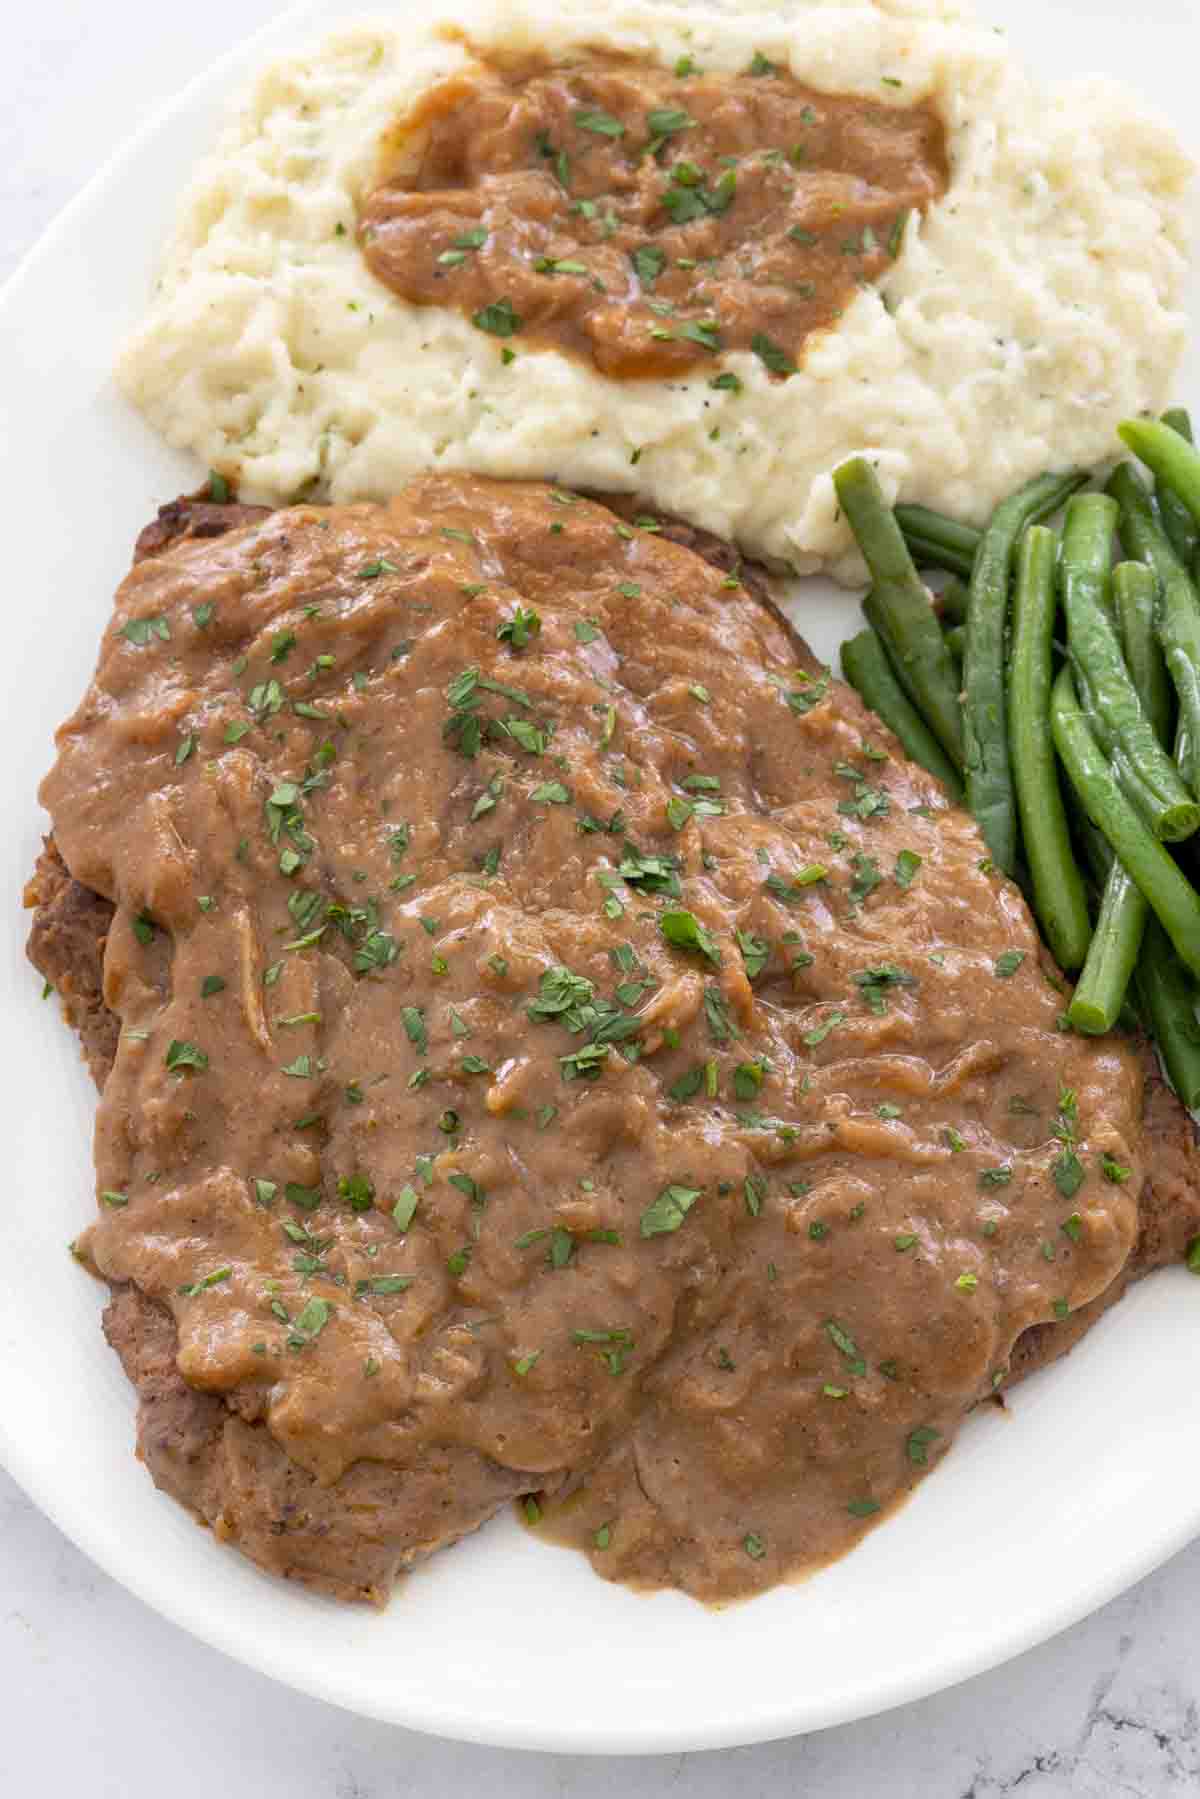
x,y
1101,998
866,667
1097,1001
1181,528
1168,997
935,527
1059,899
952,602
1118,945
1160,794
956,641
1185,744
937,541
1170,456
931,555
1178,615
1169,894
876,617
990,793
911,634
1135,592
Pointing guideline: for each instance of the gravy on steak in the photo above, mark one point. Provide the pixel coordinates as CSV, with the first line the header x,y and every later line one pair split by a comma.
x,y
644,219
564,1047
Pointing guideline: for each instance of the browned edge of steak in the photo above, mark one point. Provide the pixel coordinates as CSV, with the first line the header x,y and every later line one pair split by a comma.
x,y
353,1539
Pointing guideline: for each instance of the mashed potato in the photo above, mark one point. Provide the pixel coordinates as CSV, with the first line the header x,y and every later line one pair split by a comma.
x,y
1035,307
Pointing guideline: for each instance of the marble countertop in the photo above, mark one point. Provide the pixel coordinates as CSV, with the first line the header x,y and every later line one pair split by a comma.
x,y
1111,1710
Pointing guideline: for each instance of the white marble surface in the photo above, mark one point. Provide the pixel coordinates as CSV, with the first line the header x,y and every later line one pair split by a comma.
x,y
103,1698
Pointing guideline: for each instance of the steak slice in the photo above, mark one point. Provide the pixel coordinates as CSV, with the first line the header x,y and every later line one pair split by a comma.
x,y
66,946
350,1538
191,516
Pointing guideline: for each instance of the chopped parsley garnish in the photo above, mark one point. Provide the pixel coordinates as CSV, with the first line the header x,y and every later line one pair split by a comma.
x,y
498,318
687,1086
309,1323
1007,965
615,1356
907,864
896,238
584,1064
863,1508
1069,1172
874,984
358,1190
748,1078
772,355
844,1343
716,1013
866,878
683,930
648,263
917,1444
181,1054
140,631
756,953
519,629
809,876
194,1288
650,874
383,1284
595,119
669,1210
708,336
819,1032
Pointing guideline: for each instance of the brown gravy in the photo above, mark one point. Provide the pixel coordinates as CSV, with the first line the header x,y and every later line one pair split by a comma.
x,y
565,1047
644,219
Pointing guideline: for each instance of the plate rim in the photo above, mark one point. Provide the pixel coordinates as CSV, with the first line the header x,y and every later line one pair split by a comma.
x,y
118,1557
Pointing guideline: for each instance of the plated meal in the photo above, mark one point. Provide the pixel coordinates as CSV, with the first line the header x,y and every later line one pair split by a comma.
x,y
557,1043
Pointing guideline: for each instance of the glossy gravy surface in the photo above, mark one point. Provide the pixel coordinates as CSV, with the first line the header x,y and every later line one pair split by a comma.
x,y
644,219
559,1033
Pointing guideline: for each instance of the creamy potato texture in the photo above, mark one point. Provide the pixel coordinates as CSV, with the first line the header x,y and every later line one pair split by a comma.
x,y
1033,308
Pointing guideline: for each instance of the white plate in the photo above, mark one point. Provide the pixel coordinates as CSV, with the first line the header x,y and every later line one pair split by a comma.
x,y
1036,1518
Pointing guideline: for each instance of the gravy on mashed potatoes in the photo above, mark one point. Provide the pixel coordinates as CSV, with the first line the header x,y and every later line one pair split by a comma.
x,y
649,219
1029,310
